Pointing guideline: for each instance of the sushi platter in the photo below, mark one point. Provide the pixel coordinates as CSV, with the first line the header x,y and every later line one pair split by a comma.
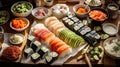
x,y
55,32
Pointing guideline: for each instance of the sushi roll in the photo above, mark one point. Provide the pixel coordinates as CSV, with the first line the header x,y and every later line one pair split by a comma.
x,y
73,27
75,19
70,15
35,57
54,55
80,25
87,29
51,57
65,18
36,44
30,40
48,59
42,51
28,52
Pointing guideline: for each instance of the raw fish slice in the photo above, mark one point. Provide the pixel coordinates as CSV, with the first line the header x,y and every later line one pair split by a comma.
x,y
66,52
62,48
48,20
58,45
45,37
38,27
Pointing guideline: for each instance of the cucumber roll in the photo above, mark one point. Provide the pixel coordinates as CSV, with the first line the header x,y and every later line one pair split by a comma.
x,y
30,40
28,52
42,51
35,45
35,57
51,57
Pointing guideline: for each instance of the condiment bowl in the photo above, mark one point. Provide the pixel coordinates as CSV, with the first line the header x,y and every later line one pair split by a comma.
x,y
110,28
20,29
81,15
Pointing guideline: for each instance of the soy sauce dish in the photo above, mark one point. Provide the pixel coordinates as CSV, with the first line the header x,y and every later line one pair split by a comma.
x,y
110,29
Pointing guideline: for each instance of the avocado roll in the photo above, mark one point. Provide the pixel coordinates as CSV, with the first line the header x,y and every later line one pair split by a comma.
x,y
35,57
42,51
36,44
28,52
30,40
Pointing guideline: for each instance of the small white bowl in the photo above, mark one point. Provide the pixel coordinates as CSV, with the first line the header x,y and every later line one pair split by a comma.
x,y
21,14
110,28
75,8
40,17
11,37
21,29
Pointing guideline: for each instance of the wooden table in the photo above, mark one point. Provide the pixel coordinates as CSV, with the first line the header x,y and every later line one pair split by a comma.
x,y
72,61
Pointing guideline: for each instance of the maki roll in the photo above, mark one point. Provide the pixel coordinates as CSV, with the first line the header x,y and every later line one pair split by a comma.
x,y
75,19
65,18
30,40
54,55
82,31
80,25
42,51
74,27
48,59
70,15
51,57
35,57
87,29
28,52
36,44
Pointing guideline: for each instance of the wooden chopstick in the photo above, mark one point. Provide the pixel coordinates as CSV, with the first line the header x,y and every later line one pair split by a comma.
x,y
88,61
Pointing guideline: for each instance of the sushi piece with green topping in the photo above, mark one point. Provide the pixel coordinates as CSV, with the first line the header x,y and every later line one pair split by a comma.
x,y
28,52
30,40
35,57
42,51
35,45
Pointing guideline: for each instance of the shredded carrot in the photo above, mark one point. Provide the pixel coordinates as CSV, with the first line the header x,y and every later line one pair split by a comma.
x,y
19,23
81,10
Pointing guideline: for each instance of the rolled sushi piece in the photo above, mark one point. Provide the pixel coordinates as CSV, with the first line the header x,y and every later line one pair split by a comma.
x,y
48,59
35,45
51,57
28,52
35,57
42,51
65,18
30,39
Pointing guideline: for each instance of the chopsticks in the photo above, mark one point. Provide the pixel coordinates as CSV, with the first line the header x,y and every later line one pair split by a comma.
x,y
83,54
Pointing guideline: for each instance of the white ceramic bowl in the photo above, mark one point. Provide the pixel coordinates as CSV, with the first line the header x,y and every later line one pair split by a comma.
x,y
21,14
75,8
21,29
60,10
40,17
106,51
11,37
110,28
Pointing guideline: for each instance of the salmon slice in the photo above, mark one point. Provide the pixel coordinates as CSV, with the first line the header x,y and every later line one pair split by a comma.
x,y
62,48
46,36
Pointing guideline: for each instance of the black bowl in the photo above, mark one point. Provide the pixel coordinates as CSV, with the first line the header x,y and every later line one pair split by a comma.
x,y
99,22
